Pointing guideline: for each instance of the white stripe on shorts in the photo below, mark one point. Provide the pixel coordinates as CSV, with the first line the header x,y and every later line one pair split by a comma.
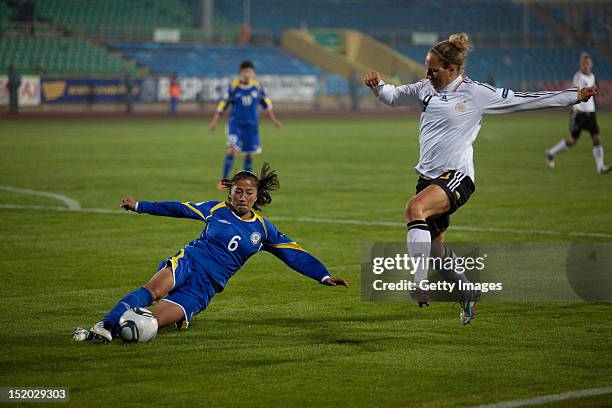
x,y
456,181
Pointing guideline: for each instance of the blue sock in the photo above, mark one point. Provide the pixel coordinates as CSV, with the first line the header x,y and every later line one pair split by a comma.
x,y
141,297
227,165
248,163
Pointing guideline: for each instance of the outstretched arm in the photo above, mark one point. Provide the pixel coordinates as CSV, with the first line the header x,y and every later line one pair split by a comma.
x,y
196,211
296,257
495,101
301,261
403,95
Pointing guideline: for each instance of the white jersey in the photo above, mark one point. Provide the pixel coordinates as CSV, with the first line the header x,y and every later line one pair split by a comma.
x,y
452,117
582,81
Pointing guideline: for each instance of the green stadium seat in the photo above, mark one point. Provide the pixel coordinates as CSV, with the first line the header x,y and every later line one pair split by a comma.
x,y
59,56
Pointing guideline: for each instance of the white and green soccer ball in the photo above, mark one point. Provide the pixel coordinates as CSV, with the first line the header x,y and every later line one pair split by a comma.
x,y
137,325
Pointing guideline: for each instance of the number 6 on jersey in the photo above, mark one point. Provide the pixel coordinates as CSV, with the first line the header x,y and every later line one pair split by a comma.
x,y
233,244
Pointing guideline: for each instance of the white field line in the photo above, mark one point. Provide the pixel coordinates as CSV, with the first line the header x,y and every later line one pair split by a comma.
x,y
550,398
453,227
70,202
312,220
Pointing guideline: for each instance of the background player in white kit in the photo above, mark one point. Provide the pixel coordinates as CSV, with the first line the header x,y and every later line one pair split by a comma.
x,y
453,106
582,118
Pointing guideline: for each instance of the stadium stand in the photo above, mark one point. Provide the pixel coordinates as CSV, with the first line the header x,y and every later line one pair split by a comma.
x,y
94,14
67,44
6,12
510,66
589,22
211,60
335,85
59,56
420,15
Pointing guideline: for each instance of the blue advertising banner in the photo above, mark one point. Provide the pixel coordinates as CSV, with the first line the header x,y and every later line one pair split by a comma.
x,y
88,90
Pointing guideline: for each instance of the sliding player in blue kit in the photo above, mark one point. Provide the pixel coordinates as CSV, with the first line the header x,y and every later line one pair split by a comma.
x,y
245,95
186,282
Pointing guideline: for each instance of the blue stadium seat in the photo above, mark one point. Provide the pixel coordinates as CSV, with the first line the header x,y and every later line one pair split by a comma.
x,y
512,66
212,60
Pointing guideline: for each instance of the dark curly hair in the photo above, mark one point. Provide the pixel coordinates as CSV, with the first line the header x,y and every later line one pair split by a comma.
x,y
266,182
246,64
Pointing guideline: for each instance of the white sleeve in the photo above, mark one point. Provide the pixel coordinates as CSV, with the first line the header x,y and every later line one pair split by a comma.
x,y
495,101
403,95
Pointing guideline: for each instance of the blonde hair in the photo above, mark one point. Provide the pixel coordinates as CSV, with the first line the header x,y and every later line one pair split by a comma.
x,y
454,50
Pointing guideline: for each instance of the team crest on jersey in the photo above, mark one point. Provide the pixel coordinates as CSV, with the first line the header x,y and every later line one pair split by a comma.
x,y
255,238
254,94
460,107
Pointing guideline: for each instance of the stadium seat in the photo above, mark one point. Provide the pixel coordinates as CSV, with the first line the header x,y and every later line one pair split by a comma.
x,y
514,67
211,60
52,56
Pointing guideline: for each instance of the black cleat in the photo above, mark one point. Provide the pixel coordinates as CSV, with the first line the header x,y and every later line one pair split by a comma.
x,y
420,296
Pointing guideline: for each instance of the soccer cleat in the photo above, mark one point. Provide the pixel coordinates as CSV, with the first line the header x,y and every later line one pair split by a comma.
x,y
468,306
81,334
605,169
420,296
99,332
468,310
550,159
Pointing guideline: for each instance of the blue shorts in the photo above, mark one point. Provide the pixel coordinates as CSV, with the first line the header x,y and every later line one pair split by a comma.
x,y
243,138
192,290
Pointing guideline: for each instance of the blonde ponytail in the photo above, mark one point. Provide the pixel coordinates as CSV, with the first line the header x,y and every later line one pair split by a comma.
x,y
462,42
454,50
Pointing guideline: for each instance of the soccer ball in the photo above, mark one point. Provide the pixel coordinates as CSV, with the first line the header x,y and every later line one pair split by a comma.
x,y
137,325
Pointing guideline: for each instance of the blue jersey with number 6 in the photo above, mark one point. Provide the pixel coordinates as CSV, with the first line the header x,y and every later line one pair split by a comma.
x,y
227,241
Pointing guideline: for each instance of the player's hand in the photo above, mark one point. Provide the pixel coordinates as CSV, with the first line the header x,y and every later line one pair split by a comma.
x,y
128,204
212,126
584,94
277,123
372,79
335,282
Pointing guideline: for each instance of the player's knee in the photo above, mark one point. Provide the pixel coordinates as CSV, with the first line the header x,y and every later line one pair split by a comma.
x,y
156,292
596,139
572,141
413,210
231,151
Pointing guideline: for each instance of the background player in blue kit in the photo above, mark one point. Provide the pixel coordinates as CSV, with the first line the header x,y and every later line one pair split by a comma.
x,y
245,95
233,233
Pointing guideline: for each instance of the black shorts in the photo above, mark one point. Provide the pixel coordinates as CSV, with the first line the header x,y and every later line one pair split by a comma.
x,y
457,186
580,121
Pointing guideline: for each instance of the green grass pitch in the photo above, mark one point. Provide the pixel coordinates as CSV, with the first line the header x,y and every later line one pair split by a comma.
x,y
274,337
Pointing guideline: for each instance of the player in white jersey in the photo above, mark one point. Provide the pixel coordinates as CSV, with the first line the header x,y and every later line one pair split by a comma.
x,y
453,106
582,118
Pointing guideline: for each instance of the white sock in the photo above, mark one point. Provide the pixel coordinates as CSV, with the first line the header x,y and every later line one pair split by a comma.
x,y
599,156
559,147
419,246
